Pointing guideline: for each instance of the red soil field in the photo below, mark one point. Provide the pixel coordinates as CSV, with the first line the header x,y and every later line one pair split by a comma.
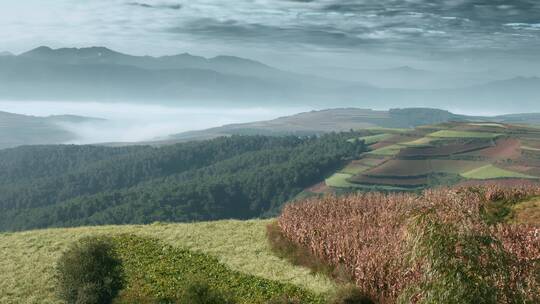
x,y
422,167
319,188
505,148
442,151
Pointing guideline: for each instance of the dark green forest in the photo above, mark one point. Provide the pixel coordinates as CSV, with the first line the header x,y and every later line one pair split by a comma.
x,y
237,177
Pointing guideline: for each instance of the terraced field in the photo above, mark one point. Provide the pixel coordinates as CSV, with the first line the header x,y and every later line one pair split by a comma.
x,y
443,155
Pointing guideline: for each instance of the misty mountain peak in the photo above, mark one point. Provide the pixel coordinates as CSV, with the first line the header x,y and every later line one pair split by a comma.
x,y
407,69
6,54
87,52
224,59
38,51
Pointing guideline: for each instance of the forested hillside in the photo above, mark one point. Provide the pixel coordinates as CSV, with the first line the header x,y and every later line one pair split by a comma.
x,y
237,177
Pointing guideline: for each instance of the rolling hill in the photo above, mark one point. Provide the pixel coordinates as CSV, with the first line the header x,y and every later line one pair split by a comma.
x,y
344,119
17,130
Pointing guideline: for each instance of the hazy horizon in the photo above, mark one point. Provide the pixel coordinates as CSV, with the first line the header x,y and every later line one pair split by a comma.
x,y
124,122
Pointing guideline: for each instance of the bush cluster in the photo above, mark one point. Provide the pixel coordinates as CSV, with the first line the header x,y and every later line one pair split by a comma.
x,y
89,272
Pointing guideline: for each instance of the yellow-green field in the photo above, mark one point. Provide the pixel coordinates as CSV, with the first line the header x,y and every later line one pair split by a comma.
x,y
28,258
387,151
492,172
339,180
463,134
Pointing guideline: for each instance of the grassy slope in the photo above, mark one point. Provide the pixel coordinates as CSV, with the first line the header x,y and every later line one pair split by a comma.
x,y
28,258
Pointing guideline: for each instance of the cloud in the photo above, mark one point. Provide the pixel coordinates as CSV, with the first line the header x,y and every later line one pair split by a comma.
x,y
146,5
138,122
257,32
416,29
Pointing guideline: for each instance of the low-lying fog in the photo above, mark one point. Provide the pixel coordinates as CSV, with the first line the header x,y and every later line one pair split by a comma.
x,y
126,122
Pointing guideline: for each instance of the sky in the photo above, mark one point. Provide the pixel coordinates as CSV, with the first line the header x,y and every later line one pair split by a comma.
x,y
296,34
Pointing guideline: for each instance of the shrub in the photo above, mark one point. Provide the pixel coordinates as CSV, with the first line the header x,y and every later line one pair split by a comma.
x,y
459,264
298,255
89,272
350,294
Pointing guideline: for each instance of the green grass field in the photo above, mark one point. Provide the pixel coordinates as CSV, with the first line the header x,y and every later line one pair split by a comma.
x,y
387,151
488,124
421,142
492,172
463,134
28,258
339,180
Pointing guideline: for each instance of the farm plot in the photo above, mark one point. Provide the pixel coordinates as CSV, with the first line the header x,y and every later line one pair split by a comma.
x,y
387,151
463,134
355,168
492,172
400,182
340,180
443,150
423,167
421,142
506,148
370,162
488,124
394,139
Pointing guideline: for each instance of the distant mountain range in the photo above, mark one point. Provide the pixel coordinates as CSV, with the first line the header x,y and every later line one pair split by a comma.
x,y
17,130
101,74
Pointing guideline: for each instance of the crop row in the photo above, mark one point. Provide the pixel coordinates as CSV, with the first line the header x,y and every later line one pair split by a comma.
x,y
368,234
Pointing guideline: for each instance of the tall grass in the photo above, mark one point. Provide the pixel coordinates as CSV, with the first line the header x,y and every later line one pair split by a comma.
x,y
373,234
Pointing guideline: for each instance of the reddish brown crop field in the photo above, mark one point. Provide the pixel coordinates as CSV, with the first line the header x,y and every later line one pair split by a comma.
x,y
422,167
443,150
505,148
368,234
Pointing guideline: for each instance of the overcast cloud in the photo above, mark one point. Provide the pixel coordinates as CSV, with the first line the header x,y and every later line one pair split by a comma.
x,y
400,31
